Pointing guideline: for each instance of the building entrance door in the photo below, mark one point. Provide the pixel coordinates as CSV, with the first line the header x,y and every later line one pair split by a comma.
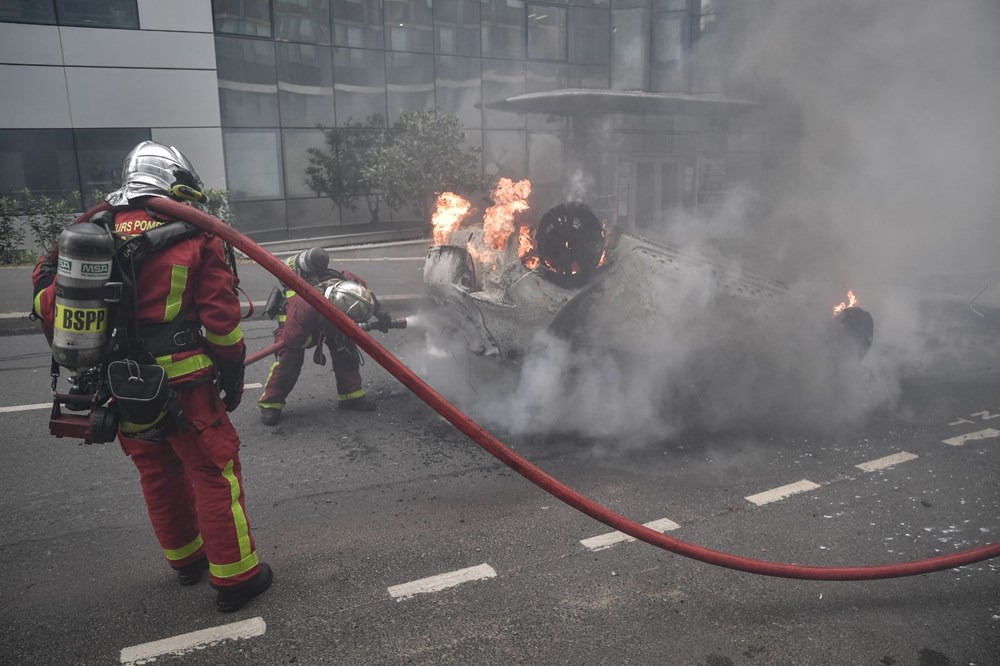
x,y
656,191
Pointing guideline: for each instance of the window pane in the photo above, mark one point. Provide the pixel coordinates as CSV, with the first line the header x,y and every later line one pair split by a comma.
x,y
502,79
305,85
670,39
28,11
44,161
590,36
503,28
104,14
296,145
100,154
410,82
302,21
630,49
253,164
504,153
409,25
546,32
248,82
243,17
359,82
456,27
358,23
459,89
263,221
546,158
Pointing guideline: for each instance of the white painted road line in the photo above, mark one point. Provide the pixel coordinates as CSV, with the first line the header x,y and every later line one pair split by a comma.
x,y
254,385
193,640
775,494
611,538
441,582
25,408
968,437
888,461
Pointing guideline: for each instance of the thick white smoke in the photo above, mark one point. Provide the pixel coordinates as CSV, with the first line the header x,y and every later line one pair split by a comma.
x,y
881,174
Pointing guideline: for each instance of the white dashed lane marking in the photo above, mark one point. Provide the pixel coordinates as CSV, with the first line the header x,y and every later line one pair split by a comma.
x,y
48,405
193,640
611,538
887,461
441,581
971,436
775,494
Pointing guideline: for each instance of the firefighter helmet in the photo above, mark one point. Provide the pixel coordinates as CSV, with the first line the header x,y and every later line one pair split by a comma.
x,y
351,298
154,170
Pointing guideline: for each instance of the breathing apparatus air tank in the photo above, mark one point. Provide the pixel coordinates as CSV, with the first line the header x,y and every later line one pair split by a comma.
x,y
82,315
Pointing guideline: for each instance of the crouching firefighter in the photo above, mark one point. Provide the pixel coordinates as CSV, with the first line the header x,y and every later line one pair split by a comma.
x,y
301,327
166,354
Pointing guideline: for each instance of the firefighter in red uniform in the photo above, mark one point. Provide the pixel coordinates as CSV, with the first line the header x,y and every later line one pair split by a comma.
x,y
190,475
301,327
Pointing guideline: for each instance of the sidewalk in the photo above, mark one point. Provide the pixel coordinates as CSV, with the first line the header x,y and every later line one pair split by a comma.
x,y
393,271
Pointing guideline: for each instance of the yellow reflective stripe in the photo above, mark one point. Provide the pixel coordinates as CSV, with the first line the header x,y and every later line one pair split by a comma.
x,y
184,551
178,282
266,382
290,292
352,395
234,569
38,302
230,338
308,343
282,318
239,518
128,426
183,367
271,405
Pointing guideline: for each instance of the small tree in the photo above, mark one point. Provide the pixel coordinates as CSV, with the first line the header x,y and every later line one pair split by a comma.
x,y
218,205
344,171
47,217
426,156
11,234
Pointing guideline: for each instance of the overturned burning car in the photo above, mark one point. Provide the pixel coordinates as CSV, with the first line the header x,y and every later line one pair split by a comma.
x,y
583,281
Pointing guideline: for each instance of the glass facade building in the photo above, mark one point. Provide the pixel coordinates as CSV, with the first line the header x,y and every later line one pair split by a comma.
x,y
660,135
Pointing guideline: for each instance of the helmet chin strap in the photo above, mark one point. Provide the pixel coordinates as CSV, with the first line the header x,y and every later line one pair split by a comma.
x,y
188,193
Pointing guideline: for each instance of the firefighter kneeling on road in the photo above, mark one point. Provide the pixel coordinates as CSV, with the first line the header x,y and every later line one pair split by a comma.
x,y
301,327
181,315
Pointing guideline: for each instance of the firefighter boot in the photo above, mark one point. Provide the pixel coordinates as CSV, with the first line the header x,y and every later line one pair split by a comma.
x,y
270,417
192,573
361,404
236,597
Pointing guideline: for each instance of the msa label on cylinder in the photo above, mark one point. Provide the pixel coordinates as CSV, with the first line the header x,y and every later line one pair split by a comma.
x,y
84,270
81,320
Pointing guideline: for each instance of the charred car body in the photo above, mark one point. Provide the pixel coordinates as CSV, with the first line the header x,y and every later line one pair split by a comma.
x,y
582,281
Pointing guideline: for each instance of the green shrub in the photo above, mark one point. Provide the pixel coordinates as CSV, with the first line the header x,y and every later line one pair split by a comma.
x,y
11,234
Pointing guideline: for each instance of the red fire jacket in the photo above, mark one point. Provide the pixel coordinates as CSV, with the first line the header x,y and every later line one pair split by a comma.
x,y
190,278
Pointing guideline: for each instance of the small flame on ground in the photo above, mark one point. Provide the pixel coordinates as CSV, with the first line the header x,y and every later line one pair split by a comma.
x,y
851,302
498,221
449,212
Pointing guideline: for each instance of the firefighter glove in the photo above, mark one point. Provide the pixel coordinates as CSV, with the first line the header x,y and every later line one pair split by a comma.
x,y
231,382
383,320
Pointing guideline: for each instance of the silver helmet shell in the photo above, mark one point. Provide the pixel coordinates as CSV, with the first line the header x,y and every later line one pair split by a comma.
x,y
152,170
351,298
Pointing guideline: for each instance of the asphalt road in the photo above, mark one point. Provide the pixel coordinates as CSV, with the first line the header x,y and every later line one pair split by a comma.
x,y
353,510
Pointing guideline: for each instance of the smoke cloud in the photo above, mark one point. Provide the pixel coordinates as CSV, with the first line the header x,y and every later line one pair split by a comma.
x,y
880,173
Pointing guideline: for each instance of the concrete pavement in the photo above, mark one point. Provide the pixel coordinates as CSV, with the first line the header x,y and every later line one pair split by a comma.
x,y
392,270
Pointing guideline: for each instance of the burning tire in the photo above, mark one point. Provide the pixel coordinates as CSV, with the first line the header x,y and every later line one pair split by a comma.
x,y
569,243
856,330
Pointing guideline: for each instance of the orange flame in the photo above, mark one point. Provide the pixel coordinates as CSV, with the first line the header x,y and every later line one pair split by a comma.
x,y
449,212
498,220
851,302
526,248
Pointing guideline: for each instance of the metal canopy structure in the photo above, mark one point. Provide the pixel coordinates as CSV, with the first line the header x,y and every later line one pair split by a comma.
x,y
581,101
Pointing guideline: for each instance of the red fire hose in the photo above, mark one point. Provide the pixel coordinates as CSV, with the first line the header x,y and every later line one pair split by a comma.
x,y
266,351
521,465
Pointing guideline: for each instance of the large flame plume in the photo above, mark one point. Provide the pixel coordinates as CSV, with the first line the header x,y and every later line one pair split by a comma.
x,y
509,199
449,212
